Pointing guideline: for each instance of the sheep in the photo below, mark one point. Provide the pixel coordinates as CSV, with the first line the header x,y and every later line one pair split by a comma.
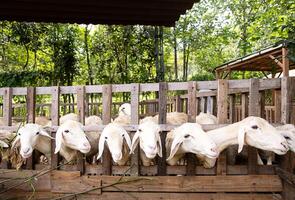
x,y
174,118
288,132
93,120
64,118
122,120
253,131
189,137
42,120
206,118
125,109
114,134
148,137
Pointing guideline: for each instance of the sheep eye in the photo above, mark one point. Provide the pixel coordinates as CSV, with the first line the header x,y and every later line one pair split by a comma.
x,y
105,137
123,135
139,130
287,138
123,108
186,136
18,134
37,133
255,127
66,131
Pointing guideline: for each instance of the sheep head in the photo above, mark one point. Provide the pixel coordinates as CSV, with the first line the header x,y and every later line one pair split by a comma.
x,y
28,137
257,132
114,135
288,132
71,134
148,137
125,109
192,139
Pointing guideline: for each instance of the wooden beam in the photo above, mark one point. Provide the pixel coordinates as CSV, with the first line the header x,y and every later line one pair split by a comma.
x,y
55,95
276,61
286,62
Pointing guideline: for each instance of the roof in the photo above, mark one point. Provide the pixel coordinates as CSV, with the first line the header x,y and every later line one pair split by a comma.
x,y
262,60
144,12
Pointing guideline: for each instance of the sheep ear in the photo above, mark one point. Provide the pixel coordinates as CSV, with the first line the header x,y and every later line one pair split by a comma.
x,y
175,146
100,146
15,141
127,138
159,143
44,133
58,140
135,141
3,144
241,138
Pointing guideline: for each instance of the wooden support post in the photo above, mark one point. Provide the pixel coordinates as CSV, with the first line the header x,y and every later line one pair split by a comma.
x,y
192,112
7,116
81,94
106,118
262,104
222,92
202,104
244,105
162,170
287,90
253,111
179,105
210,105
277,104
31,101
55,94
135,159
232,103
285,61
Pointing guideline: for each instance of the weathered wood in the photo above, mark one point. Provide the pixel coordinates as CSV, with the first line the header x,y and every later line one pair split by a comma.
x,y
31,94
286,99
285,62
192,109
222,104
135,170
244,105
232,104
106,118
253,111
277,104
81,96
162,120
7,106
262,104
55,94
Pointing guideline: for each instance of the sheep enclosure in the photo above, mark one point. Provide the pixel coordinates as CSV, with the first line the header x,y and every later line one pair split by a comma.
x,y
230,100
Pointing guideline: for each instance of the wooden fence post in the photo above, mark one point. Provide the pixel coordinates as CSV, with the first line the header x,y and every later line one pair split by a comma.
x,y
81,94
135,159
222,92
31,102
192,112
106,118
162,120
55,95
254,108
244,105
232,104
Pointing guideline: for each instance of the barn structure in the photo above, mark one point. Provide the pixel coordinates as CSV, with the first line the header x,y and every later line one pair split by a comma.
x,y
104,180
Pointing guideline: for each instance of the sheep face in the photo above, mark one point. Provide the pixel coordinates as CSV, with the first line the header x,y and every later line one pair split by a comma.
x,y
113,135
28,136
192,139
148,138
125,109
289,135
71,135
257,132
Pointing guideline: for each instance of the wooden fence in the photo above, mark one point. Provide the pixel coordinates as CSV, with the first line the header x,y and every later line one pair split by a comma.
x,y
224,181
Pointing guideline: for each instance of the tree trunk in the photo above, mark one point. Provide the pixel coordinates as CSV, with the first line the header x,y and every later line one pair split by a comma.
x,y
27,58
184,61
175,55
156,37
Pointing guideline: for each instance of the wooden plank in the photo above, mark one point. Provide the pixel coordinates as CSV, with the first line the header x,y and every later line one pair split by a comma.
x,y
286,62
189,184
222,104
7,106
253,111
135,159
262,105
106,118
55,94
232,104
31,101
244,105
81,96
162,120
192,113
277,104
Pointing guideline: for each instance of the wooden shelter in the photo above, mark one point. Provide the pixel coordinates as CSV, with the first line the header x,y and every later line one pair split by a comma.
x,y
271,59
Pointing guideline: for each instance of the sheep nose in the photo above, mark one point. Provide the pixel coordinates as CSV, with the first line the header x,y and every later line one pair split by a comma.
x,y
214,150
85,144
284,145
26,150
152,147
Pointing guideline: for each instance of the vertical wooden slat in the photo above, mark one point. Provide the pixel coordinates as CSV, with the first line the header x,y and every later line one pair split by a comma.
x,y
162,120
178,102
232,104
202,105
210,105
192,113
7,116
254,108
106,118
135,170
81,115
244,105
277,104
31,94
55,94
285,62
222,92
262,104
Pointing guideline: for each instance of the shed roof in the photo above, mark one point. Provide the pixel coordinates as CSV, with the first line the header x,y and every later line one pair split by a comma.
x,y
152,12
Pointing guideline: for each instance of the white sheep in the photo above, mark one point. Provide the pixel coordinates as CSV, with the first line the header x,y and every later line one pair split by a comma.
x,y
189,138
288,132
125,109
148,137
253,131
206,118
114,135
93,120
174,118
42,120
